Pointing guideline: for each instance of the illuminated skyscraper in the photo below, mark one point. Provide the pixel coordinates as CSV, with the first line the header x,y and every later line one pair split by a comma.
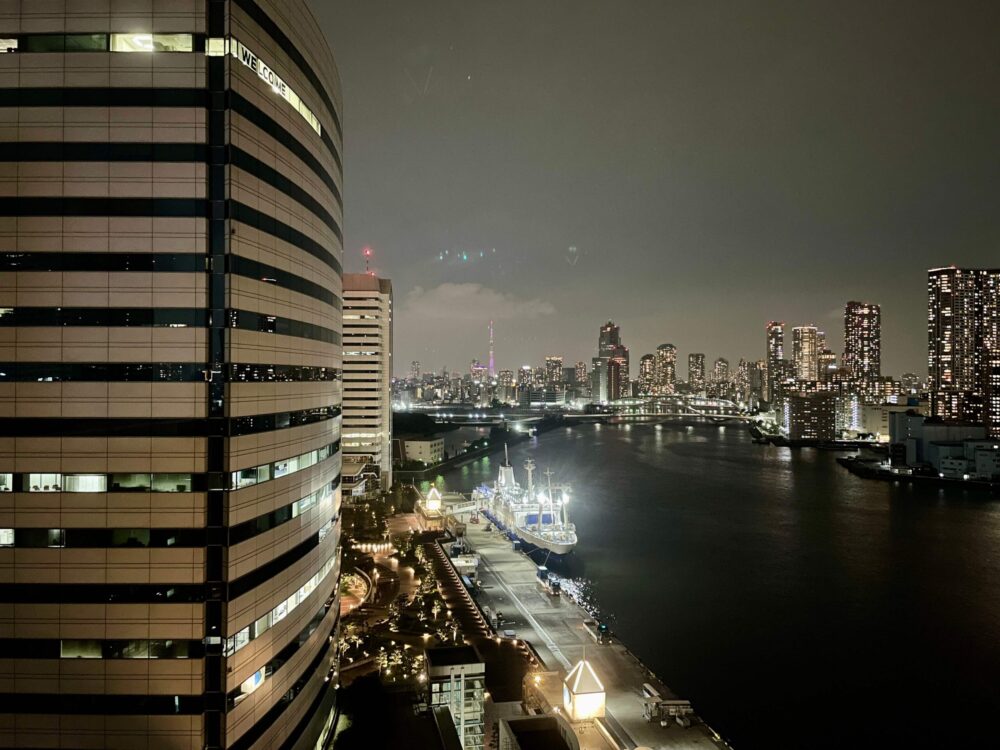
x,y
553,370
963,344
665,374
720,370
647,374
581,373
775,356
177,322
696,371
863,345
805,352
415,370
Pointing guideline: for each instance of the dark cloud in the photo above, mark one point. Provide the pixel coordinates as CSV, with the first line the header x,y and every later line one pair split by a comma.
x,y
716,165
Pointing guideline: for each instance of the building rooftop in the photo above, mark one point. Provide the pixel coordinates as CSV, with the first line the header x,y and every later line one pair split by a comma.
x,y
452,656
537,733
366,282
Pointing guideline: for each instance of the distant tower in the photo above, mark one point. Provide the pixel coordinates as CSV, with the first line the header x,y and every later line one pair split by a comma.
x,y
492,363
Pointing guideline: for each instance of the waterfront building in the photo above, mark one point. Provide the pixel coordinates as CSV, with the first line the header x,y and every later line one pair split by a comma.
x,y
618,383
720,370
457,680
665,374
741,381
963,344
367,419
599,380
426,450
173,194
863,345
775,331
696,372
805,352
553,370
647,374
809,417
581,373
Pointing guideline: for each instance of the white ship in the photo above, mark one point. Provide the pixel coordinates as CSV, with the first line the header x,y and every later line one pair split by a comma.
x,y
539,518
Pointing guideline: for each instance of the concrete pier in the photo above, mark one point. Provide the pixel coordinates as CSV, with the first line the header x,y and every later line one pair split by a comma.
x,y
554,626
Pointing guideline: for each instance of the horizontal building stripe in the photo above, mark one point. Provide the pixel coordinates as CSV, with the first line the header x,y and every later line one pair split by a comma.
x,y
53,648
102,97
163,427
142,593
252,269
267,124
160,317
254,166
91,538
286,653
266,722
258,220
63,206
268,26
105,262
116,705
68,151
46,151
158,372
164,263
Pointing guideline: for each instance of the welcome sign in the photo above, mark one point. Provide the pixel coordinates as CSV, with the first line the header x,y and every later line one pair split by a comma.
x,y
264,71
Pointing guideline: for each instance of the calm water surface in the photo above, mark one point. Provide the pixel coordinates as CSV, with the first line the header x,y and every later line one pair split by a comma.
x,y
794,604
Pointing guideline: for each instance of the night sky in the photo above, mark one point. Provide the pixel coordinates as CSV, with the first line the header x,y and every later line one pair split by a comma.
x,y
715,166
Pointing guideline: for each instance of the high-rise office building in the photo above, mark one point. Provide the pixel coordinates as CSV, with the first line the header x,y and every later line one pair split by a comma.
x,y
367,349
609,340
775,354
826,364
805,352
415,370
647,374
863,345
720,370
553,370
665,376
175,393
696,371
581,373
963,344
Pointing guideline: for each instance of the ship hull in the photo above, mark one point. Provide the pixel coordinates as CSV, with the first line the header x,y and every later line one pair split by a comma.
x,y
529,539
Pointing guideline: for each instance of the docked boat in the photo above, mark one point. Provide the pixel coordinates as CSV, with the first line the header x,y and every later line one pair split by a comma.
x,y
536,516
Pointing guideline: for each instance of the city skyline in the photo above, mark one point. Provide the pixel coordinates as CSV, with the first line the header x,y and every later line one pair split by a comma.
x,y
750,202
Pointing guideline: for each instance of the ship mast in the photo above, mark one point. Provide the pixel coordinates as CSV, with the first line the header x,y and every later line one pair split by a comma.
x,y
529,466
548,475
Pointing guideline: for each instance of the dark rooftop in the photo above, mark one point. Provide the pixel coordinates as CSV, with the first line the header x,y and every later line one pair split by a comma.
x,y
451,656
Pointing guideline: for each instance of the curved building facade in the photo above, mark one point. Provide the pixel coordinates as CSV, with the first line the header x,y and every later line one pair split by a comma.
x,y
170,374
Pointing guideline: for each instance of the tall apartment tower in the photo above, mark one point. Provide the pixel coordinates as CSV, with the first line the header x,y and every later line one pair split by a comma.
x,y
805,352
696,371
553,370
775,355
647,374
963,344
665,377
863,345
171,249
367,420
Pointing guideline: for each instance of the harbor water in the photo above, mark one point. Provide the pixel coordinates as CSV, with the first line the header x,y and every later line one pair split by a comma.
x,y
794,604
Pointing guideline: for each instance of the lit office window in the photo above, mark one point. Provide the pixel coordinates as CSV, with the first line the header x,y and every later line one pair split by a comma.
x,y
6,537
8,45
85,482
6,482
45,482
152,43
80,650
214,47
